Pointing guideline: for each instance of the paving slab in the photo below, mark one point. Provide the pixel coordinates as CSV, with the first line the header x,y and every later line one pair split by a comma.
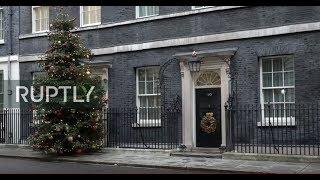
x,y
312,168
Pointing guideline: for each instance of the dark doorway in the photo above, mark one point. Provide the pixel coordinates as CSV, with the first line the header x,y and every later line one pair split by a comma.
x,y
208,117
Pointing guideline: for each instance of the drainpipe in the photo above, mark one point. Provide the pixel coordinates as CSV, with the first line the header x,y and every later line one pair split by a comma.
x,y
10,54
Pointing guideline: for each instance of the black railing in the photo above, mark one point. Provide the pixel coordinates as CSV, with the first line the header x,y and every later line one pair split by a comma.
x,y
155,128
151,128
275,129
16,126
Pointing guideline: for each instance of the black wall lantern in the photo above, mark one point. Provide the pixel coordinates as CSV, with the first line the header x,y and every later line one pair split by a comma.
x,y
195,63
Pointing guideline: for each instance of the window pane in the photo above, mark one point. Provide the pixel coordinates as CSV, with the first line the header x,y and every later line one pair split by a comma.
x,y
141,75
45,18
45,24
156,9
156,73
90,16
37,23
85,17
289,95
143,101
86,8
157,101
150,72
149,87
152,101
267,80
142,11
267,94
277,79
278,110
43,12
156,87
277,64
279,95
41,24
152,113
288,79
266,65
148,10
37,13
288,63
41,18
153,110
98,14
143,110
142,88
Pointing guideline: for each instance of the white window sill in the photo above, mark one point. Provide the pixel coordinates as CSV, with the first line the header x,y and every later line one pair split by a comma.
x,y
1,41
146,123
289,121
40,32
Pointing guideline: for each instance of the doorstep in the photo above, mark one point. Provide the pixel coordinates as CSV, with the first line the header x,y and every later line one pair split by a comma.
x,y
199,152
271,157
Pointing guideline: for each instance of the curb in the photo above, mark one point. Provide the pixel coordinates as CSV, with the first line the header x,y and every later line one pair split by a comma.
x,y
271,157
128,164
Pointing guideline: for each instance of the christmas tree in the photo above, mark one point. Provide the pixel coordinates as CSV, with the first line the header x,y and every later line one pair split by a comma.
x,y
67,126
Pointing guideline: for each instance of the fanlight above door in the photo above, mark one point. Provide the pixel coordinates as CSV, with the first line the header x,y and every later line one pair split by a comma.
x,y
208,78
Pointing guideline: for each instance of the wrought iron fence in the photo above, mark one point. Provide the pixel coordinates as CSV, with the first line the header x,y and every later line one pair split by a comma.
x,y
275,129
15,126
154,128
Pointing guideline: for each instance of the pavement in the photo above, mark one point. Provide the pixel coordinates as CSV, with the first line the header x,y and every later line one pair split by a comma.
x,y
162,159
36,166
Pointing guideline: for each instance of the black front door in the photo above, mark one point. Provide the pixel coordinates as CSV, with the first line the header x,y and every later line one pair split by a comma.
x,y
208,117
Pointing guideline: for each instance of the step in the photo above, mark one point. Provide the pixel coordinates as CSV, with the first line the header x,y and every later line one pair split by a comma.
x,y
197,154
205,150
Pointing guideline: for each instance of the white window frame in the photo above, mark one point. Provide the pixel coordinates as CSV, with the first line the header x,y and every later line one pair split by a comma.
x,y
145,122
202,7
140,17
2,25
34,22
2,88
274,121
90,24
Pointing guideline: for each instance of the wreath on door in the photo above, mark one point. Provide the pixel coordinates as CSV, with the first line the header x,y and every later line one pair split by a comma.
x,y
208,123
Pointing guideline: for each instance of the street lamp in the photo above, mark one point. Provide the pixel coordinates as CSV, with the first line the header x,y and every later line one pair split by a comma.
x,y
194,63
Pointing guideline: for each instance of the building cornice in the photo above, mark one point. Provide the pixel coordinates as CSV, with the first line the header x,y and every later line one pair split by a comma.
x,y
246,34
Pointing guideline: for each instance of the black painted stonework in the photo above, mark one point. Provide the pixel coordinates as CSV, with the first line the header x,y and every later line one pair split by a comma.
x,y
305,47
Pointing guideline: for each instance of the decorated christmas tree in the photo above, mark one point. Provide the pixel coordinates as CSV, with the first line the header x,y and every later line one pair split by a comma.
x,y
69,121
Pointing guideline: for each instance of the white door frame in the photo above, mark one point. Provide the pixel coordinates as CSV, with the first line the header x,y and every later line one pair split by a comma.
x,y
188,98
